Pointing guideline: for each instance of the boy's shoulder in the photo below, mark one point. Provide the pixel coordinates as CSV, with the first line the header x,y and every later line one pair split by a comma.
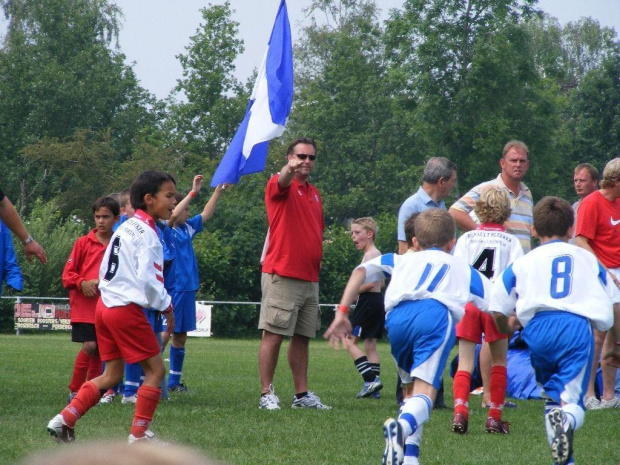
x,y
371,253
90,236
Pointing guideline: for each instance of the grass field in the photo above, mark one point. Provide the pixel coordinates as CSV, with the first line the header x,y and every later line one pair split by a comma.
x,y
221,418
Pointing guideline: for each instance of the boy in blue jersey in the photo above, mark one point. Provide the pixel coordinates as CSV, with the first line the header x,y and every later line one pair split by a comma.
x,y
424,300
560,292
181,231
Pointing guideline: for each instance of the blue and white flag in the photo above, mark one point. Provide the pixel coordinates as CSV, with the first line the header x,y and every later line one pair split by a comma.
x,y
267,110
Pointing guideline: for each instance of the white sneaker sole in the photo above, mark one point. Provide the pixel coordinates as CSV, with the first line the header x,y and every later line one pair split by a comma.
x,y
394,451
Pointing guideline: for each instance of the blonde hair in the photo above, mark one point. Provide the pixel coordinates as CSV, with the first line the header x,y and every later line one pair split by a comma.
x,y
368,224
515,144
611,173
493,206
434,228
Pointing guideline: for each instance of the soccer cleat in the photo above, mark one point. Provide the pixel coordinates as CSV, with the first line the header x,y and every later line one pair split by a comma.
x,y
178,388
310,400
478,391
132,399
562,444
592,403
494,426
459,424
149,436
108,397
394,453
613,403
60,431
376,395
269,401
70,397
370,388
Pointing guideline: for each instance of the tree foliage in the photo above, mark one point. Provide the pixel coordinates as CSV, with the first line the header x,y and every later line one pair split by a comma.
x,y
58,75
212,100
453,78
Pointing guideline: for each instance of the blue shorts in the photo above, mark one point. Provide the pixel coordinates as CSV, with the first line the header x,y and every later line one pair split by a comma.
x,y
561,348
155,319
421,335
184,303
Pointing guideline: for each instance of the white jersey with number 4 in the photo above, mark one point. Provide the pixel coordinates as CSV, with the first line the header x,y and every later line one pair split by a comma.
x,y
556,276
489,249
430,274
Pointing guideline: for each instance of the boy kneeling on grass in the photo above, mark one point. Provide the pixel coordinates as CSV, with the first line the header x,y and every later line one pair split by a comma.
x,y
130,278
560,292
424,300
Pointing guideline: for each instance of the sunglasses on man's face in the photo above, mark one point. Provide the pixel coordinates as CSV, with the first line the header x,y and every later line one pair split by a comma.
x,y
303,156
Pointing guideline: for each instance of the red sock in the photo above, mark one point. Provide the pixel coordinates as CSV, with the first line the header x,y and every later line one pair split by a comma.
x,y
148,398
87,397
461,388
80,370
499,380
94,366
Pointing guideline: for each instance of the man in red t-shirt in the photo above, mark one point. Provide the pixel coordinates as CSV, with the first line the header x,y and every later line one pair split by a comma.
x,y
598,230
290,278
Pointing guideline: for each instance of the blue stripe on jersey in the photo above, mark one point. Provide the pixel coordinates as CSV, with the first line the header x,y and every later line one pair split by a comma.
x,y
388,259
475,283
509,279
438,277
602,274
427,271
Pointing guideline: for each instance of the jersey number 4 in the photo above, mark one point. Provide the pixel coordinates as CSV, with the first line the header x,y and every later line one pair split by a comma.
x,y
485,262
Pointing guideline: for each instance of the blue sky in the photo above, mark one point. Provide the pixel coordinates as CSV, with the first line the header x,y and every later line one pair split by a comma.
x,y
154,31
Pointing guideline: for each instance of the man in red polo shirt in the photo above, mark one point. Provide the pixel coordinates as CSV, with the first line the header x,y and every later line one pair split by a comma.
x,y
290,279
598,230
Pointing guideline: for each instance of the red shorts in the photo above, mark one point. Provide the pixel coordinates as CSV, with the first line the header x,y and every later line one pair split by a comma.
x,y
124,332
474,324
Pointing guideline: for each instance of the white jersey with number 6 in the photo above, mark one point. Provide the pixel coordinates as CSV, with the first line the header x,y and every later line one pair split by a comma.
x,y
489,249
556,276
132,268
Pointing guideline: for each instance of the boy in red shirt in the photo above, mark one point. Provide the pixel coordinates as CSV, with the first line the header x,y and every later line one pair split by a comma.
x,y
130,279
81,278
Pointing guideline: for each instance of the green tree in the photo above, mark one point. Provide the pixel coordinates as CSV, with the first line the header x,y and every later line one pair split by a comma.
x,y
595,115
57,235
344,101
211,101
470,84
59,74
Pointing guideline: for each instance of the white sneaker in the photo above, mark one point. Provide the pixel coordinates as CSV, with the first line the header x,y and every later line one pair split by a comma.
x,y
370,388
592,403
562,443
269,401
59,430
149,436
613,403
394,453
310,400
108,397
132,399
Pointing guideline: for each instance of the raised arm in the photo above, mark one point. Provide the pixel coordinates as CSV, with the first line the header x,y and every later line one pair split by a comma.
x,y
183,204
209,209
